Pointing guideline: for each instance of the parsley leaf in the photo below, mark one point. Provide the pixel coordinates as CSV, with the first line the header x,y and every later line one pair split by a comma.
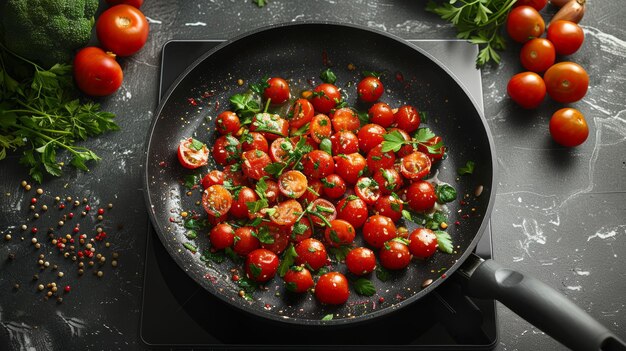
x,y
382,274
260,3
445,193
327,184
245,105
328,317
191,180
255,270
288,260
259,87
364,118
423,135
261,188
340,252
444,241
364,287
256,206
467,169
371,74
393,141
264,235
196,144
328,76
217,257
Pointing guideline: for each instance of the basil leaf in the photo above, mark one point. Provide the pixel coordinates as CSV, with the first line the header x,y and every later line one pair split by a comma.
x,y
467,169
328,76
445,193
364,287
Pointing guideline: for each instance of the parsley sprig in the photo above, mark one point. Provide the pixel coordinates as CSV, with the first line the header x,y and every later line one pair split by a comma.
x,y
293,158
394,141
478,21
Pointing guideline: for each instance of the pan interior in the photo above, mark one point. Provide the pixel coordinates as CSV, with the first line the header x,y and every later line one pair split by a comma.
x,y
299,53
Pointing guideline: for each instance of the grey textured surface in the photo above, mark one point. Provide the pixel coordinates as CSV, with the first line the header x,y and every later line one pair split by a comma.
x,y
559,214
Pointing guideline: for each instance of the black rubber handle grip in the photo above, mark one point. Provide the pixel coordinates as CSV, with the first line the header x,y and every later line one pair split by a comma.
x,y
539,304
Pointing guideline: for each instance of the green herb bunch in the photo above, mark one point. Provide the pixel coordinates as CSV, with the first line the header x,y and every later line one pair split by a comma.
x,y
478,21
42,114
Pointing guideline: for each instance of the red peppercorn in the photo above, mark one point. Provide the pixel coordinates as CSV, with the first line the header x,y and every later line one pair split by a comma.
x,y
76,229
381,299
457,223
101,211
71,240
67,288
34,230
87,208
80,254
61,206
33,201
71,215
235,277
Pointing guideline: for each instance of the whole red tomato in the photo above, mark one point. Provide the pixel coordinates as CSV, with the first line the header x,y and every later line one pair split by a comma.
x,y
332,288
96,72
537,55
568,127
536,4
370,89
122,29
135,3
277,91
527,89
524,23
566,36
566,82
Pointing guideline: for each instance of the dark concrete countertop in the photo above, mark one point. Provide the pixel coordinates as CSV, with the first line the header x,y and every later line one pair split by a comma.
x,y
560,215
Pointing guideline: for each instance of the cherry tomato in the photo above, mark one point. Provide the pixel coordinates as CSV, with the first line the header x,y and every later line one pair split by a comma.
x,y
367,189
339,233
122,29
394,255
390,206
254,163
235,176
310,196
226,150
280,239
272,191
254,141
524,23
353,210
222,236
286,213
381,114
406,149
350,167
277,91
270,125
292,184
280,149
318,164
320,128
332,289
245,241
361,261
301,113
311,252
370,136
216,200
135,3
439,152
536,4
377,159
527,89
370,89
568,127
537,55
325,98
304,235
415,166
298,279
345,119
334,186
421,196
325,208
239,208
566,36
96,72
227,122
377,230
566,82
389,180
422,243
344,143
192,153
212,178
261,265
407,118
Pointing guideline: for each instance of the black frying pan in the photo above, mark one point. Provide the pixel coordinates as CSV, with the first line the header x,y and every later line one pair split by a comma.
x,y
299,52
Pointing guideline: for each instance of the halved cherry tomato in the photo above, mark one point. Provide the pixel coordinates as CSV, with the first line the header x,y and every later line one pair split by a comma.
x,y
390,206
339,233
527,89
235,176
254,141
389,180
239,208
287,212
216,200
422,243
293,184
277,91
324,208
325,97
394,255
361,261
350,167
524,23
415,166
212,178
254,163
407,118
566,82
301,113
270,125
353,210
280,149
370,89
222,236
370,136
381,114
320,128
318,164
568,127
226,150
421,196
377,159
344,142
333,186
566,36
227,122
537,55
298,279
377,230
439,152
192,153
261,265
245,241
367,189
345,119
332,289
311,252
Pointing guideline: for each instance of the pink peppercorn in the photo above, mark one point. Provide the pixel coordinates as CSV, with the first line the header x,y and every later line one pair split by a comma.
x,y
101,211
67,288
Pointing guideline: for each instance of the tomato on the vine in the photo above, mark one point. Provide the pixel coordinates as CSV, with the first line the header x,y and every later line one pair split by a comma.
x,y
568,127
524,23
122,29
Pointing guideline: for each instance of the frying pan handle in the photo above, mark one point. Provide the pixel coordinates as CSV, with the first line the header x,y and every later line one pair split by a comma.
x,y
539,304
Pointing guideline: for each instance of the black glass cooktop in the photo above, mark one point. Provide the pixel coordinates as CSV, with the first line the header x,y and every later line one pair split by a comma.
x,y
179,314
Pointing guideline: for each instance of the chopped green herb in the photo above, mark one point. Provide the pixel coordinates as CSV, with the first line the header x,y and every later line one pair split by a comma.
x,y
194,224
260,3
191,234
191,247
288,260
467,169
255,270
326,146
381,273
423,135
232,255
260,86
444,241
245,105
364,118
217,257
393,141
327,184
328,317
323,209
371,74
445,193
264,235
340,252
191,180
328,76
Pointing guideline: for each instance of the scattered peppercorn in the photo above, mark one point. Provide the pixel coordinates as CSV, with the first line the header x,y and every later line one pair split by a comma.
x,y
39,191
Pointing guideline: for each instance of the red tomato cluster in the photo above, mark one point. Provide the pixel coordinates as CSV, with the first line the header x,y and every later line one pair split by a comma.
x,y
564,82
122,31
309,180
